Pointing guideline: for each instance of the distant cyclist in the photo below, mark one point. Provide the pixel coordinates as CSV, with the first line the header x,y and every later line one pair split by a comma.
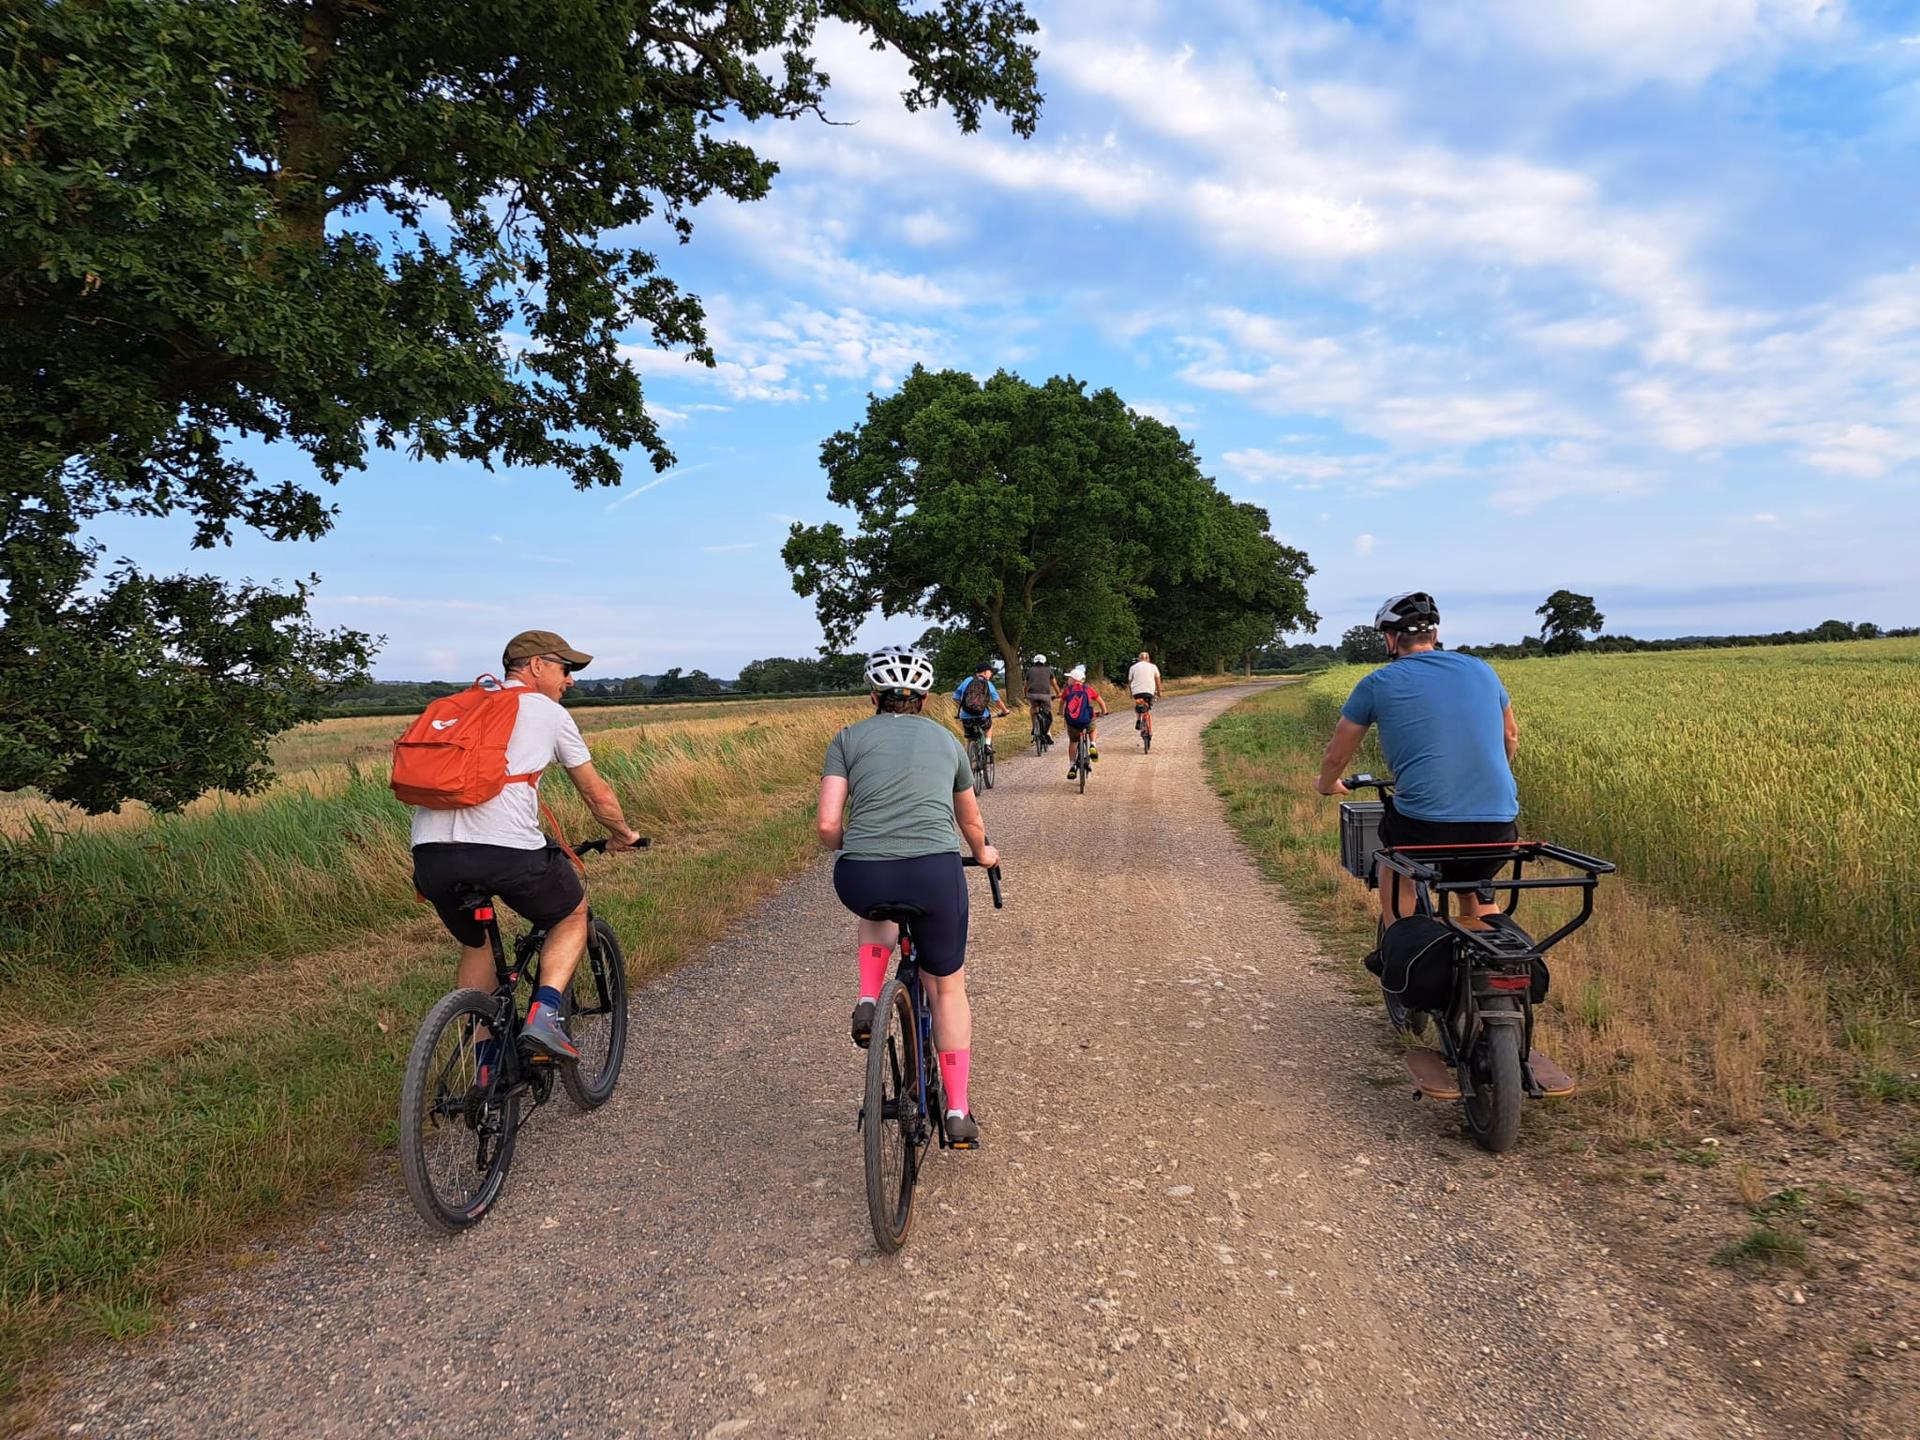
x,y
975,698
1043,686
892,792
1079,704
1143,683
1447,733
497,845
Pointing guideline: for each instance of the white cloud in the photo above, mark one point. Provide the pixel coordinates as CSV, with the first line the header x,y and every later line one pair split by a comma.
x,y
409,605
932,227
1765,517
1679,42
793,243
1363,544
786,355
731,549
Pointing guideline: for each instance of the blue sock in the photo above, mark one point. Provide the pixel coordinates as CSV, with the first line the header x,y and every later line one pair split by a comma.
x,y
548,996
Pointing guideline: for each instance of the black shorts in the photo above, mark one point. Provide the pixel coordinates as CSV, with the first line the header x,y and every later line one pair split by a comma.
x,y
936,883
1397,829
1143,701
543,885
971,725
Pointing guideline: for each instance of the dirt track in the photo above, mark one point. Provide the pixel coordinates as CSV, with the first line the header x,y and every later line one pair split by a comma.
x,y
1190,1214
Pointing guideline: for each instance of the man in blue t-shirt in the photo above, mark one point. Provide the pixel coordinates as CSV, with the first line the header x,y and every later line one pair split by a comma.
x,y
1448,735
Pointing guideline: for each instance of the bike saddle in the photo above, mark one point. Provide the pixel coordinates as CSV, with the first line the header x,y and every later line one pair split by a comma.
x,y
473,897
895,911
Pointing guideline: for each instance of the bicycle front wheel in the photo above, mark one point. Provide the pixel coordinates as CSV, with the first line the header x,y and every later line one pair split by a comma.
x,y
891,1121
456,1133
597,1016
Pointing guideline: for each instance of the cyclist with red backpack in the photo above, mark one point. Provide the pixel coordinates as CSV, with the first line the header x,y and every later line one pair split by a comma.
x,y
1079,704
975,698
471,767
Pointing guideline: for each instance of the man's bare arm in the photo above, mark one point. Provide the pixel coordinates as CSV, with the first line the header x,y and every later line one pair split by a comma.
x,y
1339,754
604,804
1512,728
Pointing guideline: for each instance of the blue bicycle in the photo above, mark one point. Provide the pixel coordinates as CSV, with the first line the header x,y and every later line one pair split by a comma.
x,y
904,1110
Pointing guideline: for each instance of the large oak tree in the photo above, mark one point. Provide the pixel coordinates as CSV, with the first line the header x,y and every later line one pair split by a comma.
x,y
1044,517
425,224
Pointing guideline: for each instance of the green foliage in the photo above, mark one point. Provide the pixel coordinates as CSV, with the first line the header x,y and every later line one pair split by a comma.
x,y
674,685
339,224
1566,619
1764,1245
1041,517
781,675
1363,645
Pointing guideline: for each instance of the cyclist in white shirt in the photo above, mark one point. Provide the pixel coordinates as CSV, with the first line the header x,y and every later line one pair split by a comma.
x,y
498,843
1143,682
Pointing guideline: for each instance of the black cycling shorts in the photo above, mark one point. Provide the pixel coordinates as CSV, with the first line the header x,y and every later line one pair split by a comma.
x,y
936,883
1397,830
1143,701
543,885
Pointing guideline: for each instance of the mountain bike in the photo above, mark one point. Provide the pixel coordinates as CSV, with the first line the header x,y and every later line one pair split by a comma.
x,y
1482,1008
460,1109
904,1111
1082,754
1143,721
979,755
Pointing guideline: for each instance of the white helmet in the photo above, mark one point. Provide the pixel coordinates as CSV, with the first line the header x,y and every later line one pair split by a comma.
x,y
895,667
1079,672
1039,659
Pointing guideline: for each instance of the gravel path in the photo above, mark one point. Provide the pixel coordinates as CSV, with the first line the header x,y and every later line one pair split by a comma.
x,y
1190,1214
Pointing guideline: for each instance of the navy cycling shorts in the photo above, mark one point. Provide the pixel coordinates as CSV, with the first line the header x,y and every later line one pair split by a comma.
x,y
936,883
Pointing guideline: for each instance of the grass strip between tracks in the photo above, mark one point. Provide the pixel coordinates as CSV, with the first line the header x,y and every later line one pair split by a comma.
x,y
1673,1022
188,1088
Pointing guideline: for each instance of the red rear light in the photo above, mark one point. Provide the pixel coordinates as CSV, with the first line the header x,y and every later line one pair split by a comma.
x,y
1509,982
485,912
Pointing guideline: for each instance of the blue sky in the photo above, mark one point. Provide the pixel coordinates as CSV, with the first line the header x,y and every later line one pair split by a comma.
x,y
1487,299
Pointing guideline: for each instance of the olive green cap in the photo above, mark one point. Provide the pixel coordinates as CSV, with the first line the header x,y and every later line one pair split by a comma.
x,y
529,643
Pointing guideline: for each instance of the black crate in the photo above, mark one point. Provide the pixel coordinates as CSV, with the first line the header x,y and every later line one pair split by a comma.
x,y
1359,836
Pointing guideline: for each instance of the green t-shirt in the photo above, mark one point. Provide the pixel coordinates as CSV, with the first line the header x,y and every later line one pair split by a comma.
x,y
902,772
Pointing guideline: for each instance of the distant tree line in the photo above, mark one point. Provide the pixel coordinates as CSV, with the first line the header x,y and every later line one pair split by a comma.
x,y
1571,624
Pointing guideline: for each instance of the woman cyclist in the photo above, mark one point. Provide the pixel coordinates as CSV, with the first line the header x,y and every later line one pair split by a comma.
x,y
892,793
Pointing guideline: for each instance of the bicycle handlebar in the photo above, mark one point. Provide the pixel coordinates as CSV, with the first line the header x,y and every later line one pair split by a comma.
x,y
993,879
1363,782
586,847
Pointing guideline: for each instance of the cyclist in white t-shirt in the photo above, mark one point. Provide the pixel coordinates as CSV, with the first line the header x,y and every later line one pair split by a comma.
x,y
498,843
1143,683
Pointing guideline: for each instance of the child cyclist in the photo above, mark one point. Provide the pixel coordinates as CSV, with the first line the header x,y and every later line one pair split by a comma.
x,y
1079,704
975,698
893,791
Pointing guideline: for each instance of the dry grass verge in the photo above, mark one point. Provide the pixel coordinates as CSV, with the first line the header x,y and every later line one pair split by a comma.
x,y
162,1111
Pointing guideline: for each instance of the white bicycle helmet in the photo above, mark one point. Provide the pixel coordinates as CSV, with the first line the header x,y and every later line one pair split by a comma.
x,y
895,667
1079,672
1039,659
1415,610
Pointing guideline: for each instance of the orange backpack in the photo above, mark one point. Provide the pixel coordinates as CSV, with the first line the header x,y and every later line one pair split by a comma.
x,y
455,754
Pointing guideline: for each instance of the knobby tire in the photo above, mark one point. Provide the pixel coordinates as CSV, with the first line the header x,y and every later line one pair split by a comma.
x,y
891,1117
454,1152
597,1017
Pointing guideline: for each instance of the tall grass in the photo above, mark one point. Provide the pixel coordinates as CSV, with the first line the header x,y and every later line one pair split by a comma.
x,y
1778,785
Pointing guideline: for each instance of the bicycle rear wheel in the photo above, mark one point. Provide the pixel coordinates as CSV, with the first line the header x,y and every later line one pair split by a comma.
x,y
987,769
891,1121
456,1135
1146,733
597,1018
1083,755
1493,1112
1039,739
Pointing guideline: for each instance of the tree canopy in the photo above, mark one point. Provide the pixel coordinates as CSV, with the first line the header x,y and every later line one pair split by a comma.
x,y
429,225
1566,617
1041,517
1363,645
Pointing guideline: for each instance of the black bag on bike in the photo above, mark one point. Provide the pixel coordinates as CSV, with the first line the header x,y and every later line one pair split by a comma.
x,y
1416,962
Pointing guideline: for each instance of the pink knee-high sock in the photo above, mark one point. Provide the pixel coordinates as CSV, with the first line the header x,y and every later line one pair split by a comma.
x,y
873,969
953,1078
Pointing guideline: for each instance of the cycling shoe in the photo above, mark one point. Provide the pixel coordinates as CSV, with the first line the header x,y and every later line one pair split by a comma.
x,y
863,1023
